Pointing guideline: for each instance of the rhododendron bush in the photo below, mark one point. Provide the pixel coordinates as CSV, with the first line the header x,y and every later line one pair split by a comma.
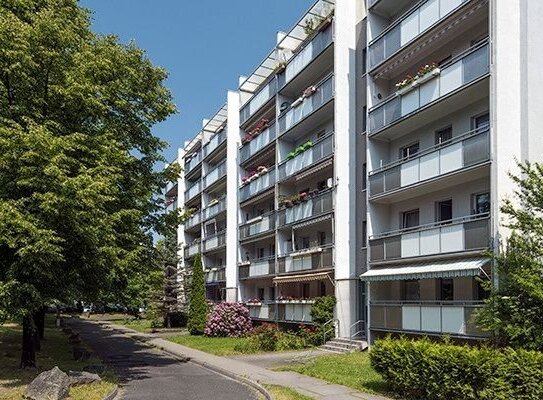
x,y
228,320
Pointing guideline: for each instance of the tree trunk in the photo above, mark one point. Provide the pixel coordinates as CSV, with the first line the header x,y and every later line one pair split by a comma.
x,y
168,320
28,355
39,319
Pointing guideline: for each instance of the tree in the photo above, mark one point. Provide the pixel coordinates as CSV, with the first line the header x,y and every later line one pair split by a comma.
x,y
198,307
78,189
514,309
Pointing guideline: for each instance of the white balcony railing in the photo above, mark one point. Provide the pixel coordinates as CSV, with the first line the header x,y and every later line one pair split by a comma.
x,y
308,259
215,142
322,148
258,143
292,312
461,152
460,234
193,162
258,185
459,72
256,226
193,190
215,174
264,310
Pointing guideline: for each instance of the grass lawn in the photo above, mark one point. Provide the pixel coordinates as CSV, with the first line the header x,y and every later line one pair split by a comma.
x,y
284,393
352,370
213,345
55,350
140,325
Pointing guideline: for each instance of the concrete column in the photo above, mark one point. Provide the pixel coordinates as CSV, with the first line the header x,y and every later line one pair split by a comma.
x,y
232,204
348,14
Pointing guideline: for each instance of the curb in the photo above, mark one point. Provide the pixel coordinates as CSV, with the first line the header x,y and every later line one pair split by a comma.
x,y
255,385
113,394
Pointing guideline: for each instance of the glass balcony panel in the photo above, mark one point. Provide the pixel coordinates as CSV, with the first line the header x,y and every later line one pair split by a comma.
x,y
215,142
263,311
215,275
193,162
214,175
318,259
257,144
215,209
267,223
216,241
322,95
321,149
192,250
320,204
192,191
258,185
193,220
258,100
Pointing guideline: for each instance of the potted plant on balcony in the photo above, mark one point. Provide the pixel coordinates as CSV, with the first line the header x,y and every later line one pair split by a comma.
x,y
284,299
291,155
307,145
253,302
424,74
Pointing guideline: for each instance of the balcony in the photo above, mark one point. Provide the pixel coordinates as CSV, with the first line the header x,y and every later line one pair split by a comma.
x,y
257,186
428,317
215,241
215,209
215,142
410,26
257,268
215,174
192,249
193,190
215,275
257,226
258,100
295,312
456,75
305,56
457,235
322,148
319,204
264,310
193,162
323,94
257,144
312,259
465,151
194,220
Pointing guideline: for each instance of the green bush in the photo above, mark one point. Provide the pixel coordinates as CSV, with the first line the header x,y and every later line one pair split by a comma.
x,y
198,308
421,369
289,341
322,309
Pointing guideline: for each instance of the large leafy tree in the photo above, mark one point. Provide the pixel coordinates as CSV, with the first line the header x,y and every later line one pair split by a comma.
x,y
514,309
77,180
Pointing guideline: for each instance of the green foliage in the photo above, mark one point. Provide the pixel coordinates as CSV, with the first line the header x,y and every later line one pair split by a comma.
x,y
421,369
514,309
198,308
322,309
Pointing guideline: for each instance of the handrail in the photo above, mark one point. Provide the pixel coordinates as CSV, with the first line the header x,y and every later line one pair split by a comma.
x,y
427,302
251,222
453,60
325,332
363,330
449,222
255,260
454,140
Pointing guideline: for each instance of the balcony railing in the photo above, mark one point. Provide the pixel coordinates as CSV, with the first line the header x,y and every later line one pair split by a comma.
x,y
455,317
193,190
215,174
215,142
466,150
307,260
320,204
258,143
312,50
416,21
258,185
460,234
258,100
459,72
258,267
292,312
194,220
321,149
215,209
193,162
215,275
323,94
192,249
264,310
215,241
257,226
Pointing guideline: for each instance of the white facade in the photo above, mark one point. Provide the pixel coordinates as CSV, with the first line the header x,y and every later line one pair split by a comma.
x,y
329,179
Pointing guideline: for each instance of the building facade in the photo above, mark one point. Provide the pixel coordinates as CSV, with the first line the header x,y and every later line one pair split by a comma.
x,y
365,158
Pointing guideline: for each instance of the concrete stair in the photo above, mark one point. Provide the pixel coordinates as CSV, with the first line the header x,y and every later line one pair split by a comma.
x,y
341,345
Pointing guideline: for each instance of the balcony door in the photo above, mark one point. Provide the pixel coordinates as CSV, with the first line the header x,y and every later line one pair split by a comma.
x,y
444,211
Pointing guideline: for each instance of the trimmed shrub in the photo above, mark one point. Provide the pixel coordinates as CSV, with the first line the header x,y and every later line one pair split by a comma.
x,y
421,369
228,320
322,309
198,308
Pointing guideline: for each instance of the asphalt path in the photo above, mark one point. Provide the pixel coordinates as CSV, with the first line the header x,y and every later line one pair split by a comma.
x,y
147,373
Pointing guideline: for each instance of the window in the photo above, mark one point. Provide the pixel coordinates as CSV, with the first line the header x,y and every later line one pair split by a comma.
x,y
410,219
305,290
321,185
364,177
364,233
322,238
446,289
443,135
272,249
364,57
261,252
481,203
481,122
305,243
410,290
321,133
260,293
444,211
409,151
364,118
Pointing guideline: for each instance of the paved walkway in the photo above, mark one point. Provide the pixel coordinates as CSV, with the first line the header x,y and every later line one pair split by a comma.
x,y
147,373
313,387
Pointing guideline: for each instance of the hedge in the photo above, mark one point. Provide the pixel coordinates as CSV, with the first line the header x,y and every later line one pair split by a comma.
x,y
425,370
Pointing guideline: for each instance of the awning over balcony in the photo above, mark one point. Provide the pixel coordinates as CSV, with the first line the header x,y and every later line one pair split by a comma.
x,y
319,276
428,270
312,221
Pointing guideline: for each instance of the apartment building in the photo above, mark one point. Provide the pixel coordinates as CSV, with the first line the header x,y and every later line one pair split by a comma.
x,y
365,158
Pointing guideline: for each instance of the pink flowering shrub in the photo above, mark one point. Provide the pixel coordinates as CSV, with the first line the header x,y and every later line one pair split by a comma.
x,y
228,320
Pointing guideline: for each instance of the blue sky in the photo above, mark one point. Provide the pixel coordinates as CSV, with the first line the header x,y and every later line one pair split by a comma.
x,y
204,44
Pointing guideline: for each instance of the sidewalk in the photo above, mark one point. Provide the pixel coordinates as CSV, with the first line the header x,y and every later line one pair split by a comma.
x,y
313,387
